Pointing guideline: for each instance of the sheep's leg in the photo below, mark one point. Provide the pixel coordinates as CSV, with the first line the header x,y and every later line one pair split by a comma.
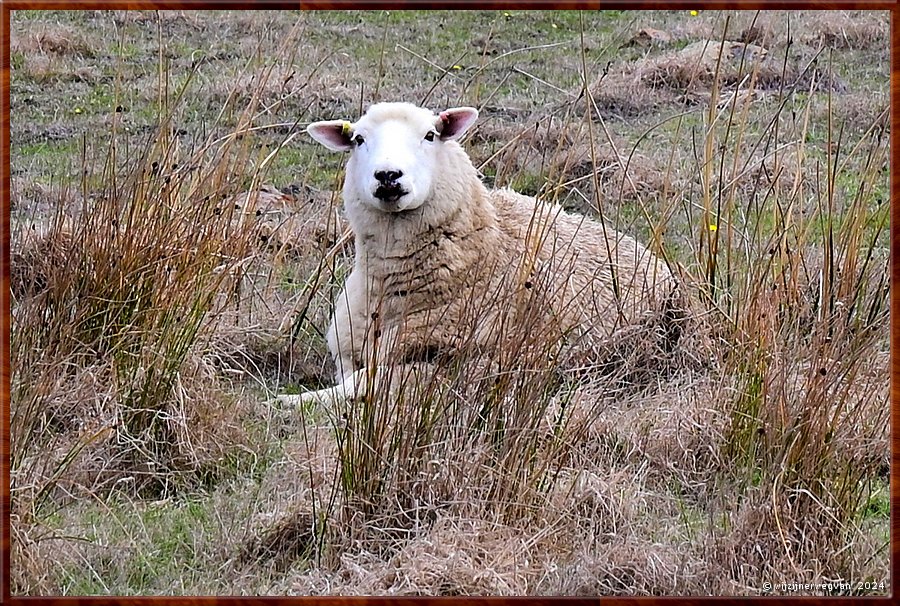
x,y
349,329
354,386
350,388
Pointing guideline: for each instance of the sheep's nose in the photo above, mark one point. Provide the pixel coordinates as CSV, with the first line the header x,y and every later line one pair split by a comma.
x,y
387,176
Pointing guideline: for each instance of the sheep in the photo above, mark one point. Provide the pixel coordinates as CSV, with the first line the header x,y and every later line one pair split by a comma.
x,y
444,265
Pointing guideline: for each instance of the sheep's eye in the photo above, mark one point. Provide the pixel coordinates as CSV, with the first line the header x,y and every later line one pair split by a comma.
x,y
358,139
430,136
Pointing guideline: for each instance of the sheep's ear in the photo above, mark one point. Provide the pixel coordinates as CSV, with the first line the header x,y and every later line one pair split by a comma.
x,y
455,122
336,135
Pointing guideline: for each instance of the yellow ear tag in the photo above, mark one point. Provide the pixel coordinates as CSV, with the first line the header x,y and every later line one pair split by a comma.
x,y
345,128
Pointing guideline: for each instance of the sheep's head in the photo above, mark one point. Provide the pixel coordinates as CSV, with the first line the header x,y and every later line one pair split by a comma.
x,y
396,148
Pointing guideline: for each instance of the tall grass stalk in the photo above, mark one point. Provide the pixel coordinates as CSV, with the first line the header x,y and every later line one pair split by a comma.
x,y
795,287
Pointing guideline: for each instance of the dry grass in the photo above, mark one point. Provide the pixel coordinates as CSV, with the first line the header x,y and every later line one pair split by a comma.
x,y
156,309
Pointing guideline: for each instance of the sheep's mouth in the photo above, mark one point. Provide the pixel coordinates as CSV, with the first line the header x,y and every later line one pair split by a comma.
x,y
390,193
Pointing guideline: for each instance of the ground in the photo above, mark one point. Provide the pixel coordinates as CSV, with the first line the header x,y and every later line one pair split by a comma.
x,y
157,307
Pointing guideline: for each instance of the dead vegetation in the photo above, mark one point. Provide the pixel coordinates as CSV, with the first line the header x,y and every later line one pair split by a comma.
x,y
56,39
166,292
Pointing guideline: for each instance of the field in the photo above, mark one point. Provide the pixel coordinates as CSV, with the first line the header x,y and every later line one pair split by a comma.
x,y
177,243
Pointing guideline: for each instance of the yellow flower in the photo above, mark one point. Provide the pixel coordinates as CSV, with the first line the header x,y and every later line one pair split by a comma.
x,y
713,227
77,110
456,67
694,13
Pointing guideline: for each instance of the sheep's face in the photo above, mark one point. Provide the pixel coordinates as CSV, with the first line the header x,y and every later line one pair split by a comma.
x,y
396,149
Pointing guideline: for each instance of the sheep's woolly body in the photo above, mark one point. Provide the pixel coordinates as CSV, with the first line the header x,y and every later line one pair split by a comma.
x,y
458,271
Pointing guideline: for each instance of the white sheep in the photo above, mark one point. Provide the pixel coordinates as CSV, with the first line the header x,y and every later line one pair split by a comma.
x,y
443,264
